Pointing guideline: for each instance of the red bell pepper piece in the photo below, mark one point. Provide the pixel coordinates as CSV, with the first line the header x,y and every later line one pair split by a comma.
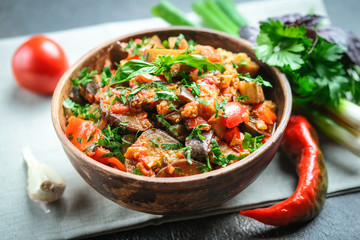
x,y
82,134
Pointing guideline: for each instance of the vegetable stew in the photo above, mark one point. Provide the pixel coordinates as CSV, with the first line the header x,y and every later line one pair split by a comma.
x,y
169,108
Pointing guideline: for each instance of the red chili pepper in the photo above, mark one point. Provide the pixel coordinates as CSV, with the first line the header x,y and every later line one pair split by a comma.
x,y
299,143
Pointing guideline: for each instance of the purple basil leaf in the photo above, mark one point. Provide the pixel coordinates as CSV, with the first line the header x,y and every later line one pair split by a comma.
x,y
298,20
343,38
249,33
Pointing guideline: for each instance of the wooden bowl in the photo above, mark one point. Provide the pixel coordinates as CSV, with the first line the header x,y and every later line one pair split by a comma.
x,y
183,194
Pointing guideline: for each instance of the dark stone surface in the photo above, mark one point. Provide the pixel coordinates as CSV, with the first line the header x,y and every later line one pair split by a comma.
x,y
340,217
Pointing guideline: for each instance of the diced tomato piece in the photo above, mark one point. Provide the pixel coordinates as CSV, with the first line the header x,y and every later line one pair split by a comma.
x,y
81,133
234,137
111,161
119,108
193,122
145,78
236,113
264,113
132,57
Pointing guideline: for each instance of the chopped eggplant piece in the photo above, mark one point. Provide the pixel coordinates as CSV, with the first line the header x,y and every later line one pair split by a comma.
x,y
182,131
117,53
90,90
218,126
251,128
227,150
252,91
133,121
180,168
184,95
174,117
144,100
76,96
200,148
149,144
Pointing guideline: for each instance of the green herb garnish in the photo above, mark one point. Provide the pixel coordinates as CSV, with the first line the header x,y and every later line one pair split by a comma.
x,y
258,80
136,171
171,145
154,142
83,78
252,143
218,156
112,140
161,120
162,65
220,107
78,109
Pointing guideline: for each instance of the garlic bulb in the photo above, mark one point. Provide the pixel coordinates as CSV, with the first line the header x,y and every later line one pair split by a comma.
x,y
44,185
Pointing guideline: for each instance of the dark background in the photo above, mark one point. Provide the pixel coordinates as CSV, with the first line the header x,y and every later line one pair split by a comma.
x,y
340,217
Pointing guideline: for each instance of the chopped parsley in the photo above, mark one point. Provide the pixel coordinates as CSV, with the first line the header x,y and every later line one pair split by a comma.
x,y
83,78
137,47
171,145
78,109
242,98
105,76
252,143
258,80
178,40
196,131
154,142
220,107
172,107
112,140
202,101
166,95
161,120
190,84
136,171
218,156
188,153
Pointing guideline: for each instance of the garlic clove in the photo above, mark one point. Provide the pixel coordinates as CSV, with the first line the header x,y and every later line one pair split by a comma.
x,y
43,184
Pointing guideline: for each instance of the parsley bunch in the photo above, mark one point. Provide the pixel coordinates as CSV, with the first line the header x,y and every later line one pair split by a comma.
x,y
317,69
322,64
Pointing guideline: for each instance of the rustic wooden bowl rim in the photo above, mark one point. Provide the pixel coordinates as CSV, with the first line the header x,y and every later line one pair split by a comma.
x,y
246,162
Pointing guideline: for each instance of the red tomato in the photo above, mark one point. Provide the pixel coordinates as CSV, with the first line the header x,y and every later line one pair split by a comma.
x,y
236,113
38,64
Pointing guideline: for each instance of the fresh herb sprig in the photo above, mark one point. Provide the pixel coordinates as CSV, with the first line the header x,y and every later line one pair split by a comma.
x,y
137,47
196,131
84,77
112,140
219,158
258,80
162,65
220,108
78,109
